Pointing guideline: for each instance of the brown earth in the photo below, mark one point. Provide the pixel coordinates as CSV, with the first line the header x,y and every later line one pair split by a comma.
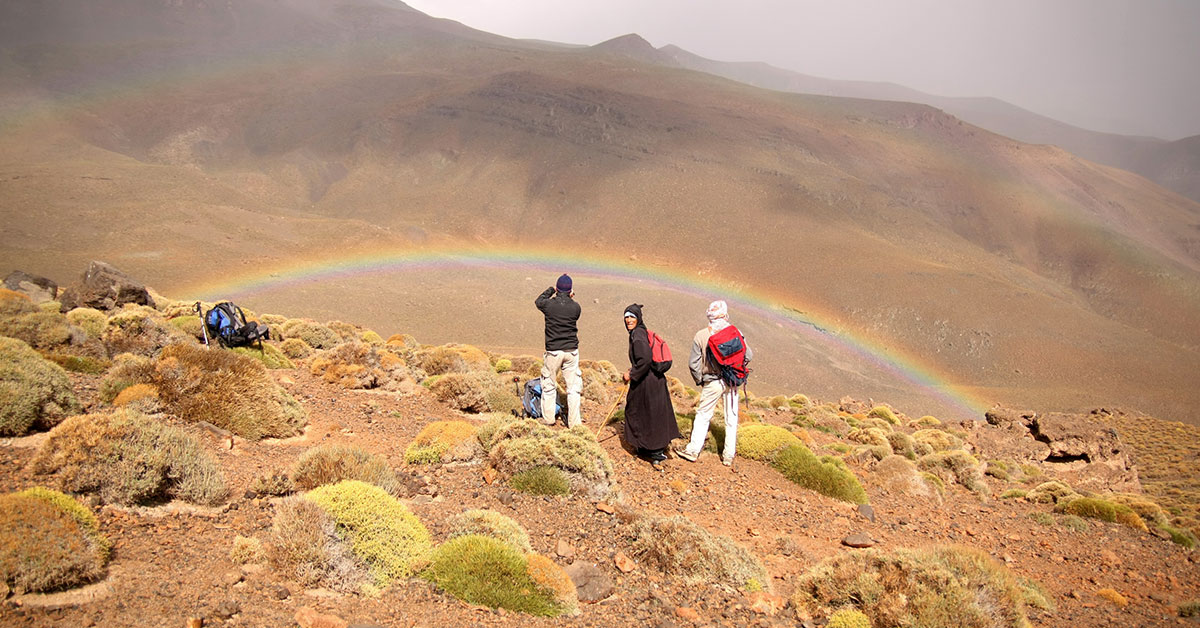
x,y
172,562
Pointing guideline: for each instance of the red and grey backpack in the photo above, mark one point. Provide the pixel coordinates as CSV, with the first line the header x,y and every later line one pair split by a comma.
x,y
728,349
660,353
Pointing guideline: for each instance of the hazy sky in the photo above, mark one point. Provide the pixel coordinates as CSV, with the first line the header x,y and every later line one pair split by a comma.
x,y
1119,66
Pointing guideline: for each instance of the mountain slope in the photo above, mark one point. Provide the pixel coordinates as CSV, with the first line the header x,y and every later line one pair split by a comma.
x,y
1021,273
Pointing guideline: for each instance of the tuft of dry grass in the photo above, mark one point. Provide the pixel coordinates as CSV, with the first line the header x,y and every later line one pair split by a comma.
x,y
247,551
939,587
490,523
330,464
956,465
128,458
313,334
1103,509
680,548
304,545
34,393
358,365
524,444
140,330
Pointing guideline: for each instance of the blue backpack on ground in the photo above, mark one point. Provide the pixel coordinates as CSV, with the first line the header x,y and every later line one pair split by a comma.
x,y
531,401
226,323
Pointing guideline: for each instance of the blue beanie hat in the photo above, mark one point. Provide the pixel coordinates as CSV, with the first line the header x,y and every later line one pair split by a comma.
x,y
564,283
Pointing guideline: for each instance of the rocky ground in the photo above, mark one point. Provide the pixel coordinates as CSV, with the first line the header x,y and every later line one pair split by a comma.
x,y
171,563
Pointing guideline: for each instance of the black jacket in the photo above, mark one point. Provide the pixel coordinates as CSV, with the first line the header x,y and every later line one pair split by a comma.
x,y
649,415
562,317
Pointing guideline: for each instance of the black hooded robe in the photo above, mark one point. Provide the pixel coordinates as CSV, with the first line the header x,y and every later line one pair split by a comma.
x,y
649,416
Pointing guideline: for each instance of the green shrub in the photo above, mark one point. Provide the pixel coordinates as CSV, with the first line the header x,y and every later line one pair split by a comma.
x,y
1042,518
48,541
79,363
1103,509
474,392
1014,493
885,413
542,481
371,337
902,444
827,475
490,523
763,442
1190,608
34,393
937,439
268,354
683,549
443,441
39,329
526,444
486,571
192,326
1180,536
276,483
330,464
295,349
955,464
925,422
939,587
226,389
848,618
313,334
936,482
382,532
140,330
503,365
1051,493
128,458
486,432
1074,523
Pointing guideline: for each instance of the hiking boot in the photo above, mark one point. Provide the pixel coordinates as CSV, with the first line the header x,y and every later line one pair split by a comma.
x,y
682,452
548,422
657,466
727,462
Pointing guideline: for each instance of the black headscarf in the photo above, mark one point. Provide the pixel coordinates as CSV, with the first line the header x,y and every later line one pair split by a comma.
x,y
636,310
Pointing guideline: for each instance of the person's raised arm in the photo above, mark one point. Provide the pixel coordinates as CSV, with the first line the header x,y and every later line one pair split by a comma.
x,y
544,298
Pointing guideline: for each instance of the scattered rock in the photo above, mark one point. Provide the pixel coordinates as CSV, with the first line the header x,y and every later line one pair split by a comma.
x,y
489,475
227,609
38,289
308,617
624,563
867,512
764,603
103,287
195,622
282,593
687,614
592,584
231,577
565,549
605,507
858,540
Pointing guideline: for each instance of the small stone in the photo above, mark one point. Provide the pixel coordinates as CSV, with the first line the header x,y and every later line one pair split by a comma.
x,y
195,622
232,577
687,614
624,563
227,609
308,617
764,603
858,540
592,584
505,497
490,475
605,507
867,512
282,593
565,549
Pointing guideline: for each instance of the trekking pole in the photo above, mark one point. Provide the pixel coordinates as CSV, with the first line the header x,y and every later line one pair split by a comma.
x,y
610,411
203,325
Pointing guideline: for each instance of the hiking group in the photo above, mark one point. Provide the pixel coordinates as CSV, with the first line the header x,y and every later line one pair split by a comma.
x,y
717,362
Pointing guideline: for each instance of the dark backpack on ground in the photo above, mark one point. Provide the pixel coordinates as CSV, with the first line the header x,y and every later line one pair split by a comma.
x,y
531,400
728,349
660,353
227,324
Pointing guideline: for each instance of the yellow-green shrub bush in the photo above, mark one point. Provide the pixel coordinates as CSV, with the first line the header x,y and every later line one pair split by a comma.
x,y
468,391
246,551
957,465
382,532
685,550
48,541
486,571
542,481
490,523
270,355
330,464
526,444
356,365
140,330
1052,492
939,587
826,475
848,618
443,441
295,349
305,545
39,329
128,458
1102,509
763,442
34,393
140,397
939,440
885,413
313,334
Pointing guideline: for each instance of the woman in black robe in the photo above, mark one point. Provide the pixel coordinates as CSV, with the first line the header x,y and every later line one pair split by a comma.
x,y
649,416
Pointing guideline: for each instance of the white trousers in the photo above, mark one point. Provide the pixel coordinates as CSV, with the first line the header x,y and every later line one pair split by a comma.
x,y
568,361
710,393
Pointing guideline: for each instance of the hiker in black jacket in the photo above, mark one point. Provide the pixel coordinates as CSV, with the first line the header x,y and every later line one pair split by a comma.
x,y
562,350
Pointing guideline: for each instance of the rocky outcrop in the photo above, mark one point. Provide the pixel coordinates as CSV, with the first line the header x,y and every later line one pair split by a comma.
x,y
1073,448
38,289
103,287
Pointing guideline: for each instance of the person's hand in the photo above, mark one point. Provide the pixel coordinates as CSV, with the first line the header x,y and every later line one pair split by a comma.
x,y
625,376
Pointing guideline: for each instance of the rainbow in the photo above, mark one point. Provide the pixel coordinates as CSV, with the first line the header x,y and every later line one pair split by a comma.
x,y
803,318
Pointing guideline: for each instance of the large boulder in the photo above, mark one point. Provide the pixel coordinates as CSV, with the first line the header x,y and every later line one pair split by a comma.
x,y
38,289
1071,447
103,287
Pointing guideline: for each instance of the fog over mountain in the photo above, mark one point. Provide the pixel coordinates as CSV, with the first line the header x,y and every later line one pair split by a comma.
x,y
1114,66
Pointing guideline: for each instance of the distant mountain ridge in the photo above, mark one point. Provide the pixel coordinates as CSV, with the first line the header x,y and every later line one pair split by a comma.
x,y
1173,165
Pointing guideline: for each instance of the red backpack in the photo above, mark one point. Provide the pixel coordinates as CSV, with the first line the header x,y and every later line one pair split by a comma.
x,y
660,353
728,349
